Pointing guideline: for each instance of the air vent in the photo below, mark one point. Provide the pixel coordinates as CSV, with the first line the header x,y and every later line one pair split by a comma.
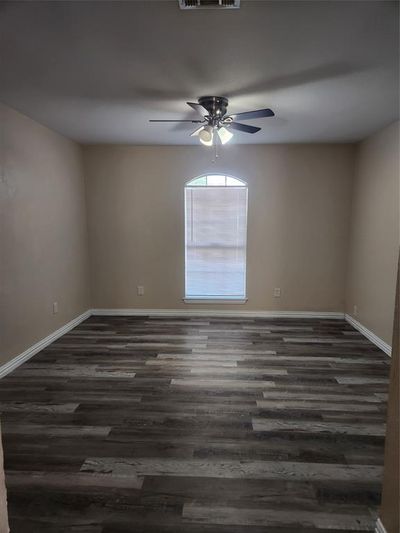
x,y
209,4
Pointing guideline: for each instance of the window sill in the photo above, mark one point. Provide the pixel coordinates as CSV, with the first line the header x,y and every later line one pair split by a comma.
x,y
206,300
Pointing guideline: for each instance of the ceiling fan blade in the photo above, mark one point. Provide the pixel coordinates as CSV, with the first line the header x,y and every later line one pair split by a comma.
x,y
197,131
244,127
192,121
198,108
254,114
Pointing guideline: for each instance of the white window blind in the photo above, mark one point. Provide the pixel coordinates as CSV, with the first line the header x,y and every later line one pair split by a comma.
x,y
215,230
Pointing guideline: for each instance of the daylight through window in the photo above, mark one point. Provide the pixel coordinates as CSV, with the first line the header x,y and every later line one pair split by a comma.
x,y
215,238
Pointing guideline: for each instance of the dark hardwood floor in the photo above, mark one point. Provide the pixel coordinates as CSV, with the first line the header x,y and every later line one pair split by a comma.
x,y
197,425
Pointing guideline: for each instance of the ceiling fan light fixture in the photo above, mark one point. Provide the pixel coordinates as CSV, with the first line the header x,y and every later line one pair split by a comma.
x,y
224,135
206,143
206,135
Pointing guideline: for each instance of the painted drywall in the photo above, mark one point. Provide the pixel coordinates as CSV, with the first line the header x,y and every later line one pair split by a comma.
x,y
298,216
374,233
43,233
389,512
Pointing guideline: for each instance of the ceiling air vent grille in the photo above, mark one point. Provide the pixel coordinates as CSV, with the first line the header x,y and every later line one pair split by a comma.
x,y
209,4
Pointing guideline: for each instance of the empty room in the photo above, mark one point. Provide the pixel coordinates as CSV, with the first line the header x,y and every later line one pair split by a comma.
x,y
199,249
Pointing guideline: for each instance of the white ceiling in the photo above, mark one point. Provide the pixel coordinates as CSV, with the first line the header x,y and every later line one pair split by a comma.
x,y
96,71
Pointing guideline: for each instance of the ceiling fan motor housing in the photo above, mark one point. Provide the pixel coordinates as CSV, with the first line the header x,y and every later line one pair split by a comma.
x,y
216,107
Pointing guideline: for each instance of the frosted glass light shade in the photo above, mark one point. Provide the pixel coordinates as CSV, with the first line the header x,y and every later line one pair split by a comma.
x,y
206,135
224,135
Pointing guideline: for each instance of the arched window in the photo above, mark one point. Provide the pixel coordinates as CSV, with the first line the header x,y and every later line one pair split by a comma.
x,y
215,238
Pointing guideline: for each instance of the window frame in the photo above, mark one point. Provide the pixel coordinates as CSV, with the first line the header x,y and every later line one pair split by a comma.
x,y
215,299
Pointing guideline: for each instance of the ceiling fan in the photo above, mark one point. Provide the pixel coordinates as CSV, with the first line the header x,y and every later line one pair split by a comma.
x,y
216,123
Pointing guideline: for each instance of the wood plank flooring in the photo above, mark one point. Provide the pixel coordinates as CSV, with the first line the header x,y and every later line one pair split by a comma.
x,y
197,425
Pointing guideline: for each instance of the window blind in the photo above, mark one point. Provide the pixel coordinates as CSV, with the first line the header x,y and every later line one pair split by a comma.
x,y
215,228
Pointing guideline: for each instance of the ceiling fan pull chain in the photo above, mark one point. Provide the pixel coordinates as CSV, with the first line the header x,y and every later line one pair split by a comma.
x,y
215,146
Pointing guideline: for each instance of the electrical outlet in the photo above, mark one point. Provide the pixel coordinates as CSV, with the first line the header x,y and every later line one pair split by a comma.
x,y
55,308
140,290
277,292
355,310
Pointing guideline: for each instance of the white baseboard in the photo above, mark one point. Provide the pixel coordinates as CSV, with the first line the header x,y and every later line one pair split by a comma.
x,y
384,346
218,312
379,527
30,352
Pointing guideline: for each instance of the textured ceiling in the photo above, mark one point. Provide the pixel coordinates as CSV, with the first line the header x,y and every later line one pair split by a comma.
x,y
97,71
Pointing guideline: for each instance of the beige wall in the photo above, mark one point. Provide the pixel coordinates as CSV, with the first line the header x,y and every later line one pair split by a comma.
x,y
299,201
43,233
374,241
